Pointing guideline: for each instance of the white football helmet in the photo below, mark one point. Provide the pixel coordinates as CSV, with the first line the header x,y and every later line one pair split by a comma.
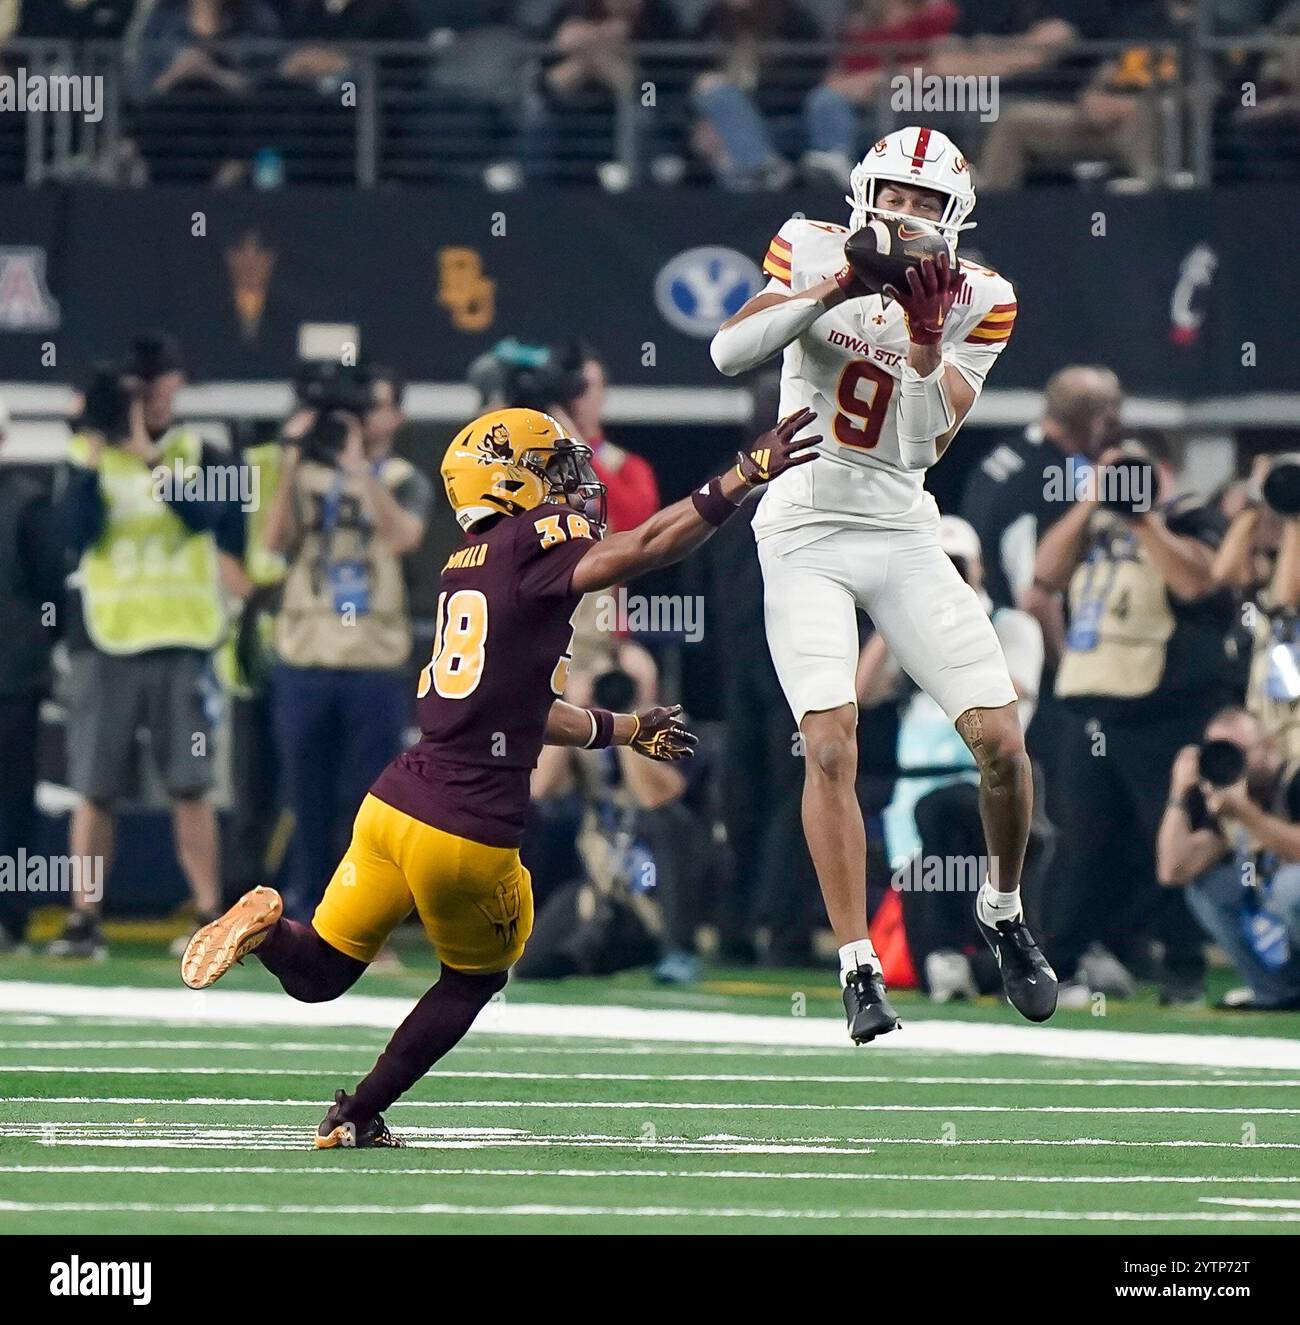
x,y
921,157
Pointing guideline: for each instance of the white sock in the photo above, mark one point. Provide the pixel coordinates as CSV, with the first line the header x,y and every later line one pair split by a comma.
x,y
858,953
994,906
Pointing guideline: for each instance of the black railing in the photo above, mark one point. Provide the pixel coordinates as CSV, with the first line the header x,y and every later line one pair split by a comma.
x,y
471,110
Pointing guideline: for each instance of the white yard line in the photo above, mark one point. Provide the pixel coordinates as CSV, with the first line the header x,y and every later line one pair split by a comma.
x,y
201,1136
221,1101
533,1210
1259,1203
237,1007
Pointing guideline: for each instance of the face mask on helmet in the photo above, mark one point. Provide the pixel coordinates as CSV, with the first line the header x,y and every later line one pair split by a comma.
x,y
949,223
568,474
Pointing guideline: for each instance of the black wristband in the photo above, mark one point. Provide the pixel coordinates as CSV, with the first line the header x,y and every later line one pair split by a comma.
x,y
602,721
713,507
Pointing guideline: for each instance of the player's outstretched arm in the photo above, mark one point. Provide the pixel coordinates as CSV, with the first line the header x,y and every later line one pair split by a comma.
x,y
677,530
772,319
656,733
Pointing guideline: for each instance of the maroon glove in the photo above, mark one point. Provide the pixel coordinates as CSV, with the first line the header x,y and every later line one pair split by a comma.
x,y
931,288
778,450
660,735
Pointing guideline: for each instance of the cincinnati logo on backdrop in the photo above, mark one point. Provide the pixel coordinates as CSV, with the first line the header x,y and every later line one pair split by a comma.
x,y
1191,292
698,290
25,300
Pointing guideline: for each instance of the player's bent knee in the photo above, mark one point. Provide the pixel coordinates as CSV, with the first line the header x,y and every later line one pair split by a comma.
x,y
994,737
473,987
831,744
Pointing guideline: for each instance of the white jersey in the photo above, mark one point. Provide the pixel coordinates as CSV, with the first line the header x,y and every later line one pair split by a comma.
x,y
847,367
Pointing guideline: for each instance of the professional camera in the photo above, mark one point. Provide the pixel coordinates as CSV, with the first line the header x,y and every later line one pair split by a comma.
x,y
336,393
154,354
614,690
1281,486
516,375
1223,763
106,403
1129,488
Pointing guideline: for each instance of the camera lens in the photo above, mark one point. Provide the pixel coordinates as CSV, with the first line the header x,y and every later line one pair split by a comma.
x,y
1222,762
1281,487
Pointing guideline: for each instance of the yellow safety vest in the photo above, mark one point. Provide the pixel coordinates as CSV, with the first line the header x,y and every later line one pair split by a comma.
x,y
263,566
149,582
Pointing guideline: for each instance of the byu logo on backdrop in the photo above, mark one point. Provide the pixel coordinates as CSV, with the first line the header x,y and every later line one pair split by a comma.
x,y
698,290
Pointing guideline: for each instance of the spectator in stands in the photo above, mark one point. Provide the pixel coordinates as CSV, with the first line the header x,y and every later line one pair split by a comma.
x,y
1144,667
1266,128
321,27
1230,836
1117,119
594,79
345,514
177,45
141,660
31,613
882,34
1025,44
182,71
734,99
932,825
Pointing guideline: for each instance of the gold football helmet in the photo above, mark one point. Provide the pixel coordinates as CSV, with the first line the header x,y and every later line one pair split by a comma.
x,y
511,460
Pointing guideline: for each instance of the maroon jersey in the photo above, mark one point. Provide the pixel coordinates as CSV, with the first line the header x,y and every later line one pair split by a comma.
x,y
500,656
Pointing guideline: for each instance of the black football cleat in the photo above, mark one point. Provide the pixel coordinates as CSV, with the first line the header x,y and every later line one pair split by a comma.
x,y
1029,982
867,1006
335,1132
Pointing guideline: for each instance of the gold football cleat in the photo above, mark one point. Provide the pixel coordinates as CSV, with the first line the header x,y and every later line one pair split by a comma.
x,y
215,948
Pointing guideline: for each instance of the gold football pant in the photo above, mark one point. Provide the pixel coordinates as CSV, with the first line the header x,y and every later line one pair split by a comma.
x,y
475,901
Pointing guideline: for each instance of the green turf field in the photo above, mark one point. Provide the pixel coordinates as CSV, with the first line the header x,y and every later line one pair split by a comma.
x,y
155,1122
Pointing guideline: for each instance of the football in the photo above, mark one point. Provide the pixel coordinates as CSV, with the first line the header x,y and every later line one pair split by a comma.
x,y
882,251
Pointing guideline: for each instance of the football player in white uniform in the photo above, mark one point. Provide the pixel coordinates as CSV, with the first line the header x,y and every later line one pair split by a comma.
x,y
891,377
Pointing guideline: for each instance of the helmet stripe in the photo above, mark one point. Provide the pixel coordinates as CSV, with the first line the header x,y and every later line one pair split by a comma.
x,y
922,142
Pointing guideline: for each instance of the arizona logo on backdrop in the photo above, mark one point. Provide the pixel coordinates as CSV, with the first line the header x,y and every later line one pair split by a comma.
x,y
26,303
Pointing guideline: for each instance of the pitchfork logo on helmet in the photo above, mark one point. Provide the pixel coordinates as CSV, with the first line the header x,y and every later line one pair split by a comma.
x,y
512,460
924,159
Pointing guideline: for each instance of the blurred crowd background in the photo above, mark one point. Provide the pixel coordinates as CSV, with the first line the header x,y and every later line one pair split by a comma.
x,y
744,93
228,635
213,608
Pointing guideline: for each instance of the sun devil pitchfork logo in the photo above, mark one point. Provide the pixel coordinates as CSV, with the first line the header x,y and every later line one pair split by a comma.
x,y
26,303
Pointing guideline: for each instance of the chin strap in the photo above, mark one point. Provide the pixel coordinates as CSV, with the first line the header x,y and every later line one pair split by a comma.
x,y
924,415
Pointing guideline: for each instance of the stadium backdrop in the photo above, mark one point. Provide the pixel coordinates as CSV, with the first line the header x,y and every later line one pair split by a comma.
x,y
1170,289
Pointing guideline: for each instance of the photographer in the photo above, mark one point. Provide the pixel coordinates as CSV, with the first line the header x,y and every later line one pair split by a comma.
x,y
641,850
1260,559
346,511
1230,836
147,617
1144,666
932,823
31,591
